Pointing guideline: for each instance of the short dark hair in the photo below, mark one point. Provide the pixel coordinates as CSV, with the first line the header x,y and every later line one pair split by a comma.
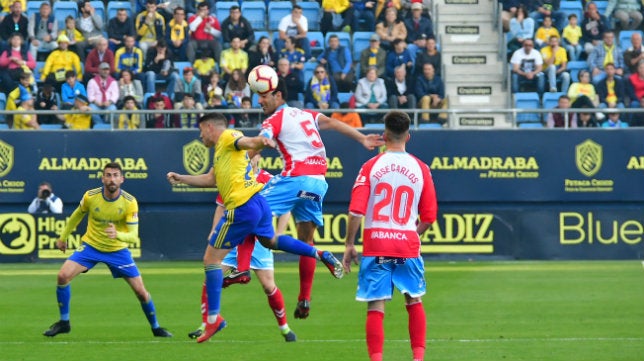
x,y
214,117
246,99
70,74
203,4
281,87
397,124
113,165
128,98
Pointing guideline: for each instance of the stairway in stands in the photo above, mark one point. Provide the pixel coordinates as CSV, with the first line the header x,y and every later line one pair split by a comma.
x,y
474,61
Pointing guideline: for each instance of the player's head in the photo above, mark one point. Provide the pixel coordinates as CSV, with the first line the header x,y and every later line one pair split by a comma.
x,y
271,101
211,126
396,126
112,177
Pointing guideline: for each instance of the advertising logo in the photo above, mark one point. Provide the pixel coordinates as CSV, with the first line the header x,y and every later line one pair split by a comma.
x,y
17,234
588,157
6,158
195,157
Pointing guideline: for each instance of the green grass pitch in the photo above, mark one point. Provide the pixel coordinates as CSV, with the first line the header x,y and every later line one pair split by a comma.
x,y
478,311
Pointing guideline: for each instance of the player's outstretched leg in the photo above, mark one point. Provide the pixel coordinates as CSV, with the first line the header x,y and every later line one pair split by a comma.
x,y
294,246
214,281
63,296
241,274
204,314
151,314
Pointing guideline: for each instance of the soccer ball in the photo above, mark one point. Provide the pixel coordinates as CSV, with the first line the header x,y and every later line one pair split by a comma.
x,y
263,79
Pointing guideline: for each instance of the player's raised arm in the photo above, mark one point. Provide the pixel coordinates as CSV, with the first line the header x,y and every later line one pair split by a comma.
x,y
202,180
254,144
369,141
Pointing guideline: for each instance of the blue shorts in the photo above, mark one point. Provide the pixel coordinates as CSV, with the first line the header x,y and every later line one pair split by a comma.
x,y
261,258
120,263
377,281
302,196
252,217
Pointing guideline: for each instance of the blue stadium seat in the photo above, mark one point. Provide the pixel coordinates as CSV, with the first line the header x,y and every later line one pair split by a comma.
x,y
51,126
550,100
113,6
311,11
344,96
625,38
571,7
33,7
3,105
430,126
360,42
276,11
309,68
222,9
4,126
379,126
99,7
531,125
255,12
180,65
318,38
601,6
102,126
62,9
574,67
527,100
345,39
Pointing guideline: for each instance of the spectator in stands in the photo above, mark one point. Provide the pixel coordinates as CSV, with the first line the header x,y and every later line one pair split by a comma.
x,y
130,120
321,91
391,28
14,60
5,7
178,34
42,30
557,119
13,97
213,88
47,99
509,11
582,93
160,119
82,120
418,46
626,12
364,16
77,42
295,56
100,54
431,55
159,66
60,61
248,119
527,66
637,119
586,120
70,89
15,22
418,24
430,92
235,25
192,111
89,22
337,59
294,83
544,32
192,5
593,27
205,31
350,118
337,15
521,27
160,92
294,25
400,90
398,56
555,61
167,8
188,83
118,28
634,54
371,93
373,55
26,119
204,66
103,93
571,36
150,26
607,52
129,57
262,53
614,121
236,88
611,89
233,58
548,8
129,87
635,85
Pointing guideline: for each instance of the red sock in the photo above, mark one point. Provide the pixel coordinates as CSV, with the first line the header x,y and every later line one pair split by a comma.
x,y
307,271
375,334
276,301
244,251
204,303
417,329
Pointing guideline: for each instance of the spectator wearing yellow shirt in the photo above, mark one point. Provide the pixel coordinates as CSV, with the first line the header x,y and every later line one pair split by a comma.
x,y
130,120
555,61
233,58
27,119
81,120
204,66
177,35
60,61
582,93
150,26
571,35
544,32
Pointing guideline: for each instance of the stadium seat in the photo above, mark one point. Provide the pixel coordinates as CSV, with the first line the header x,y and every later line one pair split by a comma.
x,y
180,65
102,126
430,126
51,126
260,33
33,7
317,42
222,9
550,100
345,38
255,12
276,11
379,126
62,9
625,38
309,68
254,100
571,7
4,126
311,11
601,6
527,100
344,97
113,6
531,125
3,105
360,42
99,7
574,67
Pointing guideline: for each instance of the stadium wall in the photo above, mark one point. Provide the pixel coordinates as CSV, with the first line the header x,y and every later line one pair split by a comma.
x,y
539,194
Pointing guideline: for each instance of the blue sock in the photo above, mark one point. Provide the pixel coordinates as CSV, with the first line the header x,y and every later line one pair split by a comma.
x,y
150,313
291,245
63,295
214,280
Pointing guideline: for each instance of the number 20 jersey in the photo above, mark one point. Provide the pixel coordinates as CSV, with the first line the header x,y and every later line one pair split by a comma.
x,y
392,190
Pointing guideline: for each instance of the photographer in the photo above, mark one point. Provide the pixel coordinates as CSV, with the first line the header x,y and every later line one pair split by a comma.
x,y
46,202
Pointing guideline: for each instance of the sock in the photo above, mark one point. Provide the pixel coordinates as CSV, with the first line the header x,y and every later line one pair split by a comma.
x,y
375,334
417,329
150,312
214,280
64,295
244,252
291,245
276,301
204,304
307,271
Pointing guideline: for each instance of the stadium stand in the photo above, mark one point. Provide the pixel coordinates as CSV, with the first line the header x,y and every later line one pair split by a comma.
x,y
99,7
255,12
311,11
574,67
345,39
530,125
550,100
276,11
51,126
360,42
222,9
64,8
527,100
113,6
625,38
316,40
571,7
33,7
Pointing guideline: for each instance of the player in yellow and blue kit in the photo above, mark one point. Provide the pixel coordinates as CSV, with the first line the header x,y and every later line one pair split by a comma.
x,y
112,225
247,212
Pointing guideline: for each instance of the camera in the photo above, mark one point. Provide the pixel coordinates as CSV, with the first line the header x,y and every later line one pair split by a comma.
x,y
45,193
